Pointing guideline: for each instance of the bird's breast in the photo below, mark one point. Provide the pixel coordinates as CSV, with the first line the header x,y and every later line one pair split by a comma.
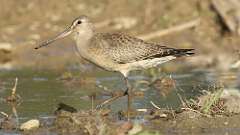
x,y
97,57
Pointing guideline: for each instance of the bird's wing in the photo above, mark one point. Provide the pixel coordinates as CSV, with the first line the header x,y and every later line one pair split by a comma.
x,y
126,49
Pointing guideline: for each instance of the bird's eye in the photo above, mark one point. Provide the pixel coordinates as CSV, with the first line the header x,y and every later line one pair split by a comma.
x,y
79,22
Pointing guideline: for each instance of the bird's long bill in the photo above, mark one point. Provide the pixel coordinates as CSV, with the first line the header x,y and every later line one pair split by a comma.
x,y
59,36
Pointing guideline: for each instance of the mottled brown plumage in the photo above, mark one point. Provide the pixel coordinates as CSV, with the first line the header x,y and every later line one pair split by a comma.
x,y
117,52
126,49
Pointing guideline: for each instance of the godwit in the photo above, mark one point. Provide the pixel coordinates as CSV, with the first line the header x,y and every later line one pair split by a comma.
x,y
117,52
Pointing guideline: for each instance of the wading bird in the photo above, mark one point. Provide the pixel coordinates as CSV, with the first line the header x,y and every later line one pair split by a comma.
x,y
117,52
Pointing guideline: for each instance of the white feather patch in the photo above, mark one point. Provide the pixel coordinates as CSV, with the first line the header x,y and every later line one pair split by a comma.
x,y
144,64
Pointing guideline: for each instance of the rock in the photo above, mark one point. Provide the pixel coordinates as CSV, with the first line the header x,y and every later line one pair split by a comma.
x,y
29,125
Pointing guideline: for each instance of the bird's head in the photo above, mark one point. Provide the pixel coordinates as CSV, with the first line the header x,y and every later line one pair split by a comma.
x,y
80,26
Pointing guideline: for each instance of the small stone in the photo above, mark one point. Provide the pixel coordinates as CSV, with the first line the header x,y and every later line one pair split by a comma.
x,y
163,115
29,125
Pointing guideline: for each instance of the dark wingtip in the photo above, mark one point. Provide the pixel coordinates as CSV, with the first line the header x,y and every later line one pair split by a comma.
x,y
190,53
184,52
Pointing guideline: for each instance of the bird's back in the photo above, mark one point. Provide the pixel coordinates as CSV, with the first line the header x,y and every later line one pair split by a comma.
x,y
124,49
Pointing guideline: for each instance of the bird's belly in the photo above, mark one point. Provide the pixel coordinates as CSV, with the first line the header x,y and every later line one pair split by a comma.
x,y
144,64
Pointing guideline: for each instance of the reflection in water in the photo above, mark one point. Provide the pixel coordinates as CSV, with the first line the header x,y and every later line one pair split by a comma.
x,y
42,91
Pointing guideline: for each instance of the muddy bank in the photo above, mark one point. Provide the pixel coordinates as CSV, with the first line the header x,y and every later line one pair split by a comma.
x,y
191,123
191,118
95,123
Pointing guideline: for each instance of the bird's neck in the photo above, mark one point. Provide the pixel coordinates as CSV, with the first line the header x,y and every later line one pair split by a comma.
x,y
82,38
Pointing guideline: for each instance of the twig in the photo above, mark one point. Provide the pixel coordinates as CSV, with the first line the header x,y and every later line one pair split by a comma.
x,y
154,105
14,97
14,110
190,109
181,99
4,114
15,87
173,29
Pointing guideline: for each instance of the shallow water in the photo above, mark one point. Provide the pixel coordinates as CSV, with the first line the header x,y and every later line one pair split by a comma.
x,y
41,91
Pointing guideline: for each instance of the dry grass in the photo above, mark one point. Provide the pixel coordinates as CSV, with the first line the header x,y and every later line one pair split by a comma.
x,y
208,104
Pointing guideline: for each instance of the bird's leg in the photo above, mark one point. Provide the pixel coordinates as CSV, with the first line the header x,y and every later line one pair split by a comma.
x,y
109,100
128,92
115,97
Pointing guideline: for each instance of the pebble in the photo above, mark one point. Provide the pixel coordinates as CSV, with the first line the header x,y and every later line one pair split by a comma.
x,y
29,125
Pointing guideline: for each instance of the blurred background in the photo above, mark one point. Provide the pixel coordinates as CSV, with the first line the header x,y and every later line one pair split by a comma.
x,y
26,23
55,74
